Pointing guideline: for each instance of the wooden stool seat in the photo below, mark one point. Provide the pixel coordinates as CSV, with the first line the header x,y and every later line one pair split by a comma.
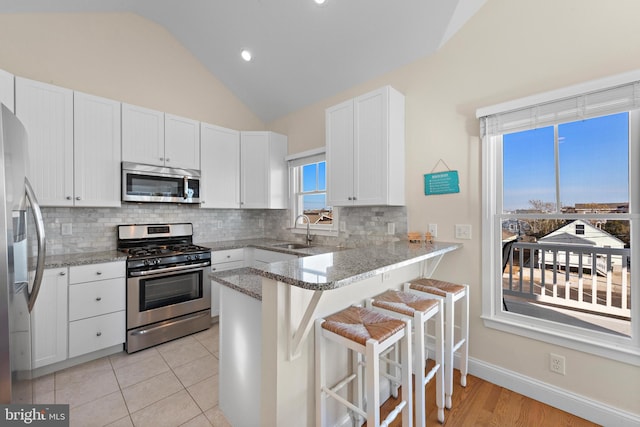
x,y
360,324
436,287
449,293
419,309
367,335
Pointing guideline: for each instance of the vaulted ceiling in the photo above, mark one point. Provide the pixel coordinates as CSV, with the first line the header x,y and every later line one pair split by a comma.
x,y
302,52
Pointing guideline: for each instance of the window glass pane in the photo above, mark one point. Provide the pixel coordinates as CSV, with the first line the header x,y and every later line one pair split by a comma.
x,y
322,176
310,177
594,163
529,171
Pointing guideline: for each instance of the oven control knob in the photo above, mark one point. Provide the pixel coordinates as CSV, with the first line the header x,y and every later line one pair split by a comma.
x,y
146,262
196,257
188,257
156,261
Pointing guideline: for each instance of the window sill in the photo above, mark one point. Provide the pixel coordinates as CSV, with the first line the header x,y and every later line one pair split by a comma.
x,y
622,350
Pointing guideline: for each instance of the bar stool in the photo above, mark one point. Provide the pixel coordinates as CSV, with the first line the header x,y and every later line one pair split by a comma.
x,y
450,293
419,309
369,334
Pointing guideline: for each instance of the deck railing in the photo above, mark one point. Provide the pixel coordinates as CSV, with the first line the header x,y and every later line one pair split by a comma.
x,y
589,278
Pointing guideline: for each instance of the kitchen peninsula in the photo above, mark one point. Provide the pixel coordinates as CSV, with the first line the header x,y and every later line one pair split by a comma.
x,y
266,319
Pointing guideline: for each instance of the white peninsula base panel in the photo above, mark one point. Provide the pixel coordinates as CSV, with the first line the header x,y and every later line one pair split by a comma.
x,y
240,357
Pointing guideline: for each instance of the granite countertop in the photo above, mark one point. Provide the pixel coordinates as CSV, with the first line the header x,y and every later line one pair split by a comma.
x,y
69,260
334,268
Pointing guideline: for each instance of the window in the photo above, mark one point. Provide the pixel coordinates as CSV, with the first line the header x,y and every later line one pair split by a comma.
x,y
561,218
308,179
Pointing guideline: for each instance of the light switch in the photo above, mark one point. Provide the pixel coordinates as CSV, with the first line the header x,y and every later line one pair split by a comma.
x,y
463,231
66,229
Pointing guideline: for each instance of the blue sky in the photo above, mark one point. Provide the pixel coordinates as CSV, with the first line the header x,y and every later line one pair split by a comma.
x,y
314,178
593,163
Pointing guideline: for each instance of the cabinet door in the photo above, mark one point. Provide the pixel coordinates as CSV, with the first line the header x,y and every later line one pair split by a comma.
x,y
96,151
370,148
181,142
47,114
49,319
254,169
6,90
220,156
339,140
142,135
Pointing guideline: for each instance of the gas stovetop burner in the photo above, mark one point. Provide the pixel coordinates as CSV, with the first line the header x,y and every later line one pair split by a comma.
x,y
168,250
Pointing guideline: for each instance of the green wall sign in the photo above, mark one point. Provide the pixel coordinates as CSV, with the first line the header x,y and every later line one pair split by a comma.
x,y
441,183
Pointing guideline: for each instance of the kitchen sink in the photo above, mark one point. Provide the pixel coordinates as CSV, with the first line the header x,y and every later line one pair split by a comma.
x,y
292,246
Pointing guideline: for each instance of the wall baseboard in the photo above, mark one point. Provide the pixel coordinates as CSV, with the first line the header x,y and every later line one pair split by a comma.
x,y
575,404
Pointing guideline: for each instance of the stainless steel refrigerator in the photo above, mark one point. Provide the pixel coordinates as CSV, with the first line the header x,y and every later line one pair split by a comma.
x,y
17,296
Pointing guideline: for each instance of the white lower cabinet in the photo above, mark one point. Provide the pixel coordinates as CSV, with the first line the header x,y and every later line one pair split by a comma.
x,y
97,303
222,261
49,319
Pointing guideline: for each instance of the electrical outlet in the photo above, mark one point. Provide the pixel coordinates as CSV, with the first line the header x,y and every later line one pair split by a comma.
x,y
463,231
557,363
391,228
261,222
433,229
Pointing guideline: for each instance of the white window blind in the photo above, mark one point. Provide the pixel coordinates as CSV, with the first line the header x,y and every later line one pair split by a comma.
x,y
609,100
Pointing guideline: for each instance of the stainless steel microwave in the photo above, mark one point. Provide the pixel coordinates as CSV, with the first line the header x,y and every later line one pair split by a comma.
x,y
148,183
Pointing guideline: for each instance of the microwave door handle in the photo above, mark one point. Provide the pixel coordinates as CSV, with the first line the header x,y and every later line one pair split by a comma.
x,y
42,244
185,187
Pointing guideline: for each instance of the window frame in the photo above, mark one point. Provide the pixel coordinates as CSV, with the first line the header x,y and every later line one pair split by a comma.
x,y
295,163
606,345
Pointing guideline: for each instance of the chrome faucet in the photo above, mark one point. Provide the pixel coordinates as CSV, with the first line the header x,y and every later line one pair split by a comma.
x,y
295,225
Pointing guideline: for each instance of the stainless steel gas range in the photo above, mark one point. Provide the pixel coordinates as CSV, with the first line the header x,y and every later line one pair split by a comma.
x,y
168,293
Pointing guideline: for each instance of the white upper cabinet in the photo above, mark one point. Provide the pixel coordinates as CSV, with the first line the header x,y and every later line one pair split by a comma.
x,y
6,89
181,142
154,138
365,150
142,135
220,156
46,111
96,151
263,170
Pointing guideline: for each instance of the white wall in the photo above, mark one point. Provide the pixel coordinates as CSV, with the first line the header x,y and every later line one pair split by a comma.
x,y
121,56
510,49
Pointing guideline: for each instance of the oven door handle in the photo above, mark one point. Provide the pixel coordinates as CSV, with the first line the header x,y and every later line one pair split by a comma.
x,y
169,269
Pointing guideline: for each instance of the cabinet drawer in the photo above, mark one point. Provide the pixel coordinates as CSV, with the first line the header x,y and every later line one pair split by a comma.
x,y
91,272
223,266
96,298
227,256
96,333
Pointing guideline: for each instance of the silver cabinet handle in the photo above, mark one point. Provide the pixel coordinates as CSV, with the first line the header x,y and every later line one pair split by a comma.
x,y
167,159
99,334
99,299
99,273
63,273
77,197
69,197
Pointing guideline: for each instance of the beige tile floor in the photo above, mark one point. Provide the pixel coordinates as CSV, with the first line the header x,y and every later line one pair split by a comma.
x,y
173,384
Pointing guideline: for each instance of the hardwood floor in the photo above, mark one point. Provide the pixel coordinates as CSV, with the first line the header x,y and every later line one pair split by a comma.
x,y
481,403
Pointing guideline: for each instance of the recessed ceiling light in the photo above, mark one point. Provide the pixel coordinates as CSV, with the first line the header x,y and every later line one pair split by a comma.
x,y
246,55
319,1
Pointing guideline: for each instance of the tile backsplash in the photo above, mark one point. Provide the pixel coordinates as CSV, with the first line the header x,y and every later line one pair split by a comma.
x,y
94,229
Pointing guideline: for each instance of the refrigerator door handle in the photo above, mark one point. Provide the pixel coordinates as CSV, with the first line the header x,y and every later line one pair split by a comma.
x,y
42,244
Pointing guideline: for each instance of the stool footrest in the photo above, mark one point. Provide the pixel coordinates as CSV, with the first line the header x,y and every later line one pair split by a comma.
x,y
431,374
393,414
346,403
343,383
459,344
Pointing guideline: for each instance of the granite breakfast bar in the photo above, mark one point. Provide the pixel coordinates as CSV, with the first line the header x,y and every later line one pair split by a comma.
x,y
266,319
